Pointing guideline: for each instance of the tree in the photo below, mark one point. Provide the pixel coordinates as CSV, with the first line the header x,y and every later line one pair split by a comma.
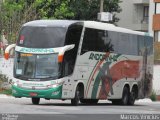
x,y
14,13
88,9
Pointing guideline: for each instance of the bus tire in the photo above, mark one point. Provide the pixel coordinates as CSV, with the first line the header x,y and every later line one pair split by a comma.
x,y
76,99
132,97
35,101
125,96
84,101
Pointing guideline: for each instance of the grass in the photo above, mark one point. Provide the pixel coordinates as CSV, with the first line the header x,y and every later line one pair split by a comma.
x,y
6,91
153,96
3,79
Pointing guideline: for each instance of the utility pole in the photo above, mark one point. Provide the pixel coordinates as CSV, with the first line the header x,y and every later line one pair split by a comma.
x,y
104,16
0,28
101,5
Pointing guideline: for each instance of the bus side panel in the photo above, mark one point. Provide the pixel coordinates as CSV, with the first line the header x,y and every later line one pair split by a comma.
x,y
145,48
149,65
106,78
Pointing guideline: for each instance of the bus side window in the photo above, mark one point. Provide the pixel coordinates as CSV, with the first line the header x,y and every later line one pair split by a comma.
x,y
96,40
88,40
72,37
105,42
149,45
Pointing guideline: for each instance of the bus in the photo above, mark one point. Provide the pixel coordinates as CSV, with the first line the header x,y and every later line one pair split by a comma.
x,y
81,61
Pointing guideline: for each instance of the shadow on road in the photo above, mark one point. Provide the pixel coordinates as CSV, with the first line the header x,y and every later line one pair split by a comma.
x,y
69,104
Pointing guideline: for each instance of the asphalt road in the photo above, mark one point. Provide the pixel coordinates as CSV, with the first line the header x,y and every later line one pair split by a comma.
x,y
22,109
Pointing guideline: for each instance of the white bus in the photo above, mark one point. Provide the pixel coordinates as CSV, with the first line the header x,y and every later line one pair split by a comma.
x,y
84,61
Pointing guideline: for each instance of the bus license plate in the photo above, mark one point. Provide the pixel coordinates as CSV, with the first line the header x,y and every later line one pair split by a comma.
x,y
33,94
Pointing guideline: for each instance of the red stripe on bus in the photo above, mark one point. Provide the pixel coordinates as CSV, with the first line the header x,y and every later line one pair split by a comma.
x,y
96,69
123,69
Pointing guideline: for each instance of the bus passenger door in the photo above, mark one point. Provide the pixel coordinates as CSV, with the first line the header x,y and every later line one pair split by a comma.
x,y
66,90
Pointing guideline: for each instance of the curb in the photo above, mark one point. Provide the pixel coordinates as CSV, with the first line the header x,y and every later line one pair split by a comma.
x,y
5,96
147,100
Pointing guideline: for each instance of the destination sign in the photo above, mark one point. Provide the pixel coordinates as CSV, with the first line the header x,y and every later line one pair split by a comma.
x,y
35,50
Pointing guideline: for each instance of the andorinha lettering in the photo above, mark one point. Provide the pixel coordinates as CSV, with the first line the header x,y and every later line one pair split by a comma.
x,y
32,50
96,56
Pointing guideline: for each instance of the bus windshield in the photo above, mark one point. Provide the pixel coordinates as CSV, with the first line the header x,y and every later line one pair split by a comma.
x,y
32,66
41,37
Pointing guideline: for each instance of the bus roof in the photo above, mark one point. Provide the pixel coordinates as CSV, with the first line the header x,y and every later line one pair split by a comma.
x,y
88,24
54,23
111,27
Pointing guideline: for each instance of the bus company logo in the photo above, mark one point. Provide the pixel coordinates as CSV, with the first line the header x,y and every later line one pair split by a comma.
x,y
110,58
33,50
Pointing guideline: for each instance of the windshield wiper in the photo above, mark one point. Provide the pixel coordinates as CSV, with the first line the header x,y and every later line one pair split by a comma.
x,y
21,77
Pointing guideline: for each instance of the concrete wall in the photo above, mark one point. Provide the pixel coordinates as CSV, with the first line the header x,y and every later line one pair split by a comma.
x,y
126,14
132,15
6,67
156,79
151,12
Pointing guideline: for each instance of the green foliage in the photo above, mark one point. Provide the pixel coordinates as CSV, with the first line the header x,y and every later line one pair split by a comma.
x,y
63,12
14,13
7,92
4,79
87,10
153,96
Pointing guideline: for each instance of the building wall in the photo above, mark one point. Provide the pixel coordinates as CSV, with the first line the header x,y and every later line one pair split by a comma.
x,y
6,67
156,79
156,21
151,13
132,15
126,14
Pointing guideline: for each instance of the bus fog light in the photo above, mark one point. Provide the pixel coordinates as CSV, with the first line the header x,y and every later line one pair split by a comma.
x,y
55,93
52,86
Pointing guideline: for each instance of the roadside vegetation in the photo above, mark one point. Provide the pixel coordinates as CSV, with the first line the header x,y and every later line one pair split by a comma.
x,y
153,96
4,85
14,13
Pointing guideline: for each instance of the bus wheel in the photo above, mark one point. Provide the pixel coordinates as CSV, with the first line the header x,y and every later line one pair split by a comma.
x,y
125,96
84,101
132,97
35,101
75,100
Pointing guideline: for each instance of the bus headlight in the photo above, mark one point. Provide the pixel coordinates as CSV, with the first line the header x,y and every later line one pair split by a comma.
x,y
52,86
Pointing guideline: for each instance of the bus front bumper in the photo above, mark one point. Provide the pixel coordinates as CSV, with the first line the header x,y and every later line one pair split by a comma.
x,y
51,93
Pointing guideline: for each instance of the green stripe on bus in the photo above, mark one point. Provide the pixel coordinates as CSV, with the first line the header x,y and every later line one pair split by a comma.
x,y
91,75
96,86
52,93
97,82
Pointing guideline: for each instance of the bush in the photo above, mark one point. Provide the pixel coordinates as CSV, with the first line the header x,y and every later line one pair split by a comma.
x,y
4,85
6,91
153,96
3,78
